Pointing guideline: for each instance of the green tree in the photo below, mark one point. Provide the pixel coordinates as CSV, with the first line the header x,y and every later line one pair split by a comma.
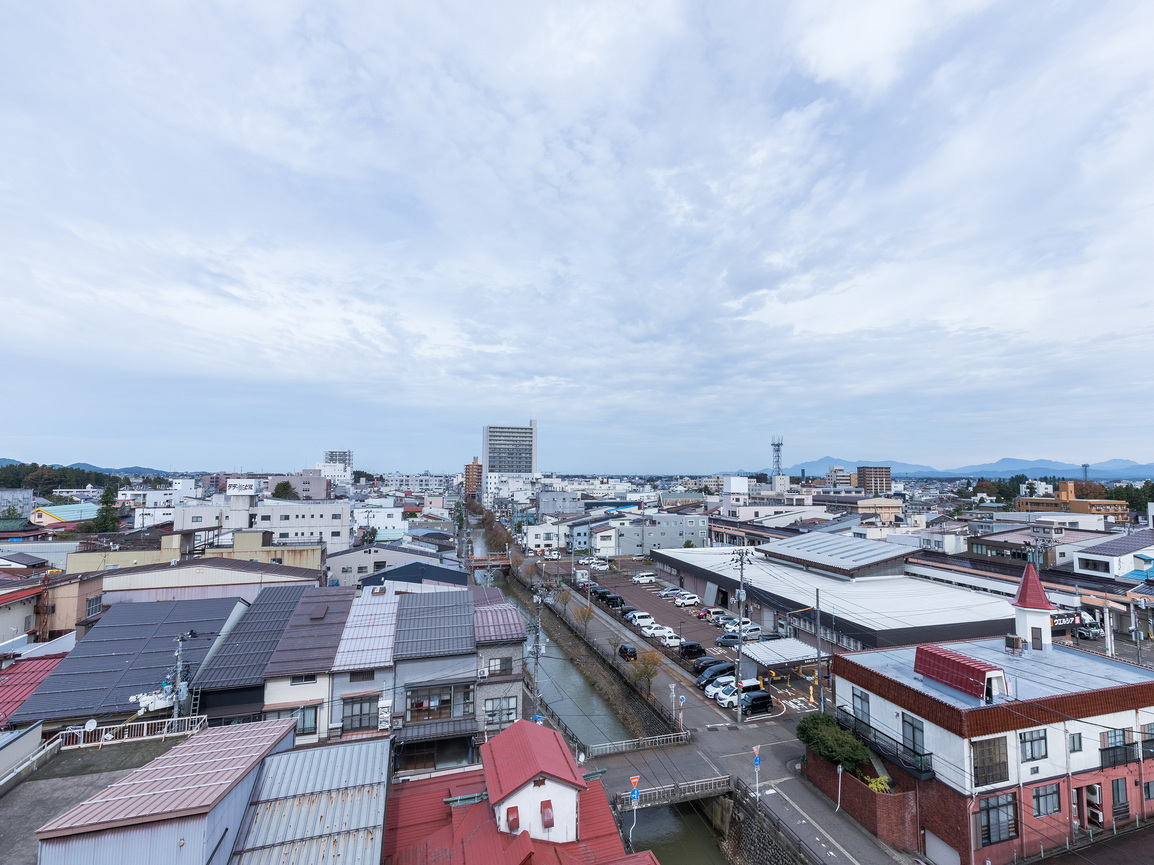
x,y
646,668
284,490
11,513
107,518
42,480
689,545
761,478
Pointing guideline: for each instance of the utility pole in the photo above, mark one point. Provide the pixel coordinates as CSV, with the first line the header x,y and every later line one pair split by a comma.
x,y
817,633
536,654
740,556
178,678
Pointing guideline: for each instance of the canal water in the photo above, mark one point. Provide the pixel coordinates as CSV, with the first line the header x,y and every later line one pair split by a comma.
x,y
677,835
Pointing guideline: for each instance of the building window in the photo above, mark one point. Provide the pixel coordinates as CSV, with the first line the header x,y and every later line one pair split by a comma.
x,y
1075,742
999,816
991,762
1033,744
1148,790
360,714
347,570
913,734
307,679
1115,747
439,703
282,535
266,518
362,569
336,516
306,718
94,605
336,534
861,706
1046,800
284,516
500,666
501,710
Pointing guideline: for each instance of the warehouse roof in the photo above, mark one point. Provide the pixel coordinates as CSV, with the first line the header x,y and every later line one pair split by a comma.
x,y
129,651
246,651
842,554
313,633
190,779
433,624
317,805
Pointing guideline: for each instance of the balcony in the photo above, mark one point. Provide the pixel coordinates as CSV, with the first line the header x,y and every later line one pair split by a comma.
x,y
919,765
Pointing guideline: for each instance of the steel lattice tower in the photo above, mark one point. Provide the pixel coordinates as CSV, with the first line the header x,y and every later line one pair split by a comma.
x,y
776,445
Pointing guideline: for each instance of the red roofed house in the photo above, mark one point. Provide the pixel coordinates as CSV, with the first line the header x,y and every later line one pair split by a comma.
x,y
20,678
998,748
529,803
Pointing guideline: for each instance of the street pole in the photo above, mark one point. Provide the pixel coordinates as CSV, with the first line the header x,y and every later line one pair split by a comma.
x,y
176,680
817,633
537,657
740,555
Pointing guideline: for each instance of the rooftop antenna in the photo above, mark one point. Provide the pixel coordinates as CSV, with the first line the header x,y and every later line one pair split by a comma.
x,y
776,444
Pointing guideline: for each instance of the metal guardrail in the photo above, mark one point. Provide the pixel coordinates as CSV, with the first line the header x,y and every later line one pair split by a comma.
x,y
785,837
133,730
917,763
670,794
642,744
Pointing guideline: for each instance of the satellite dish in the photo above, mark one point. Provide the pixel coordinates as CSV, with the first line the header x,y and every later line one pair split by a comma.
x,y
89,725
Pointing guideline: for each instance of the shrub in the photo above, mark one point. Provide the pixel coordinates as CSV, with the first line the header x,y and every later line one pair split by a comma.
x,y
825,738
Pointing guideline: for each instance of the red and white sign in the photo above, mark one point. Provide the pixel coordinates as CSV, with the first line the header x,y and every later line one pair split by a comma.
x,y
634,781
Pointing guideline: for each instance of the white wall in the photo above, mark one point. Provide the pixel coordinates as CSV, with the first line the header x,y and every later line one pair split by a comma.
x,y
281,690
527,801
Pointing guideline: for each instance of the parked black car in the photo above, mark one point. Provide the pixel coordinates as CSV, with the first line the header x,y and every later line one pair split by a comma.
x,y
611,600
704,661
714,671
600,594
756,703
627,651
690,649
626,610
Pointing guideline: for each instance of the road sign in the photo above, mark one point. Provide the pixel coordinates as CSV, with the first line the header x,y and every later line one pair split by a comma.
x,y
682,699
756,762
634,795
756,750
634,781
538,718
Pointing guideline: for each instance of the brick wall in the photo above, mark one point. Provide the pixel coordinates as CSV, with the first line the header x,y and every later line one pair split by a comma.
x,y
941,809
892,817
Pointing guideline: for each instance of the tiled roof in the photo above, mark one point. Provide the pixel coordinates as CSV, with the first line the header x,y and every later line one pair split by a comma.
x,y
498,623
313,633
434,624
245,653
129,651
1122,545
367,640
190,779
1031,595
520,753
19,679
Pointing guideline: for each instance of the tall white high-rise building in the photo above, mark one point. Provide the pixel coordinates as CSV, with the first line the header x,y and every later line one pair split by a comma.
x,y
508,458
344,458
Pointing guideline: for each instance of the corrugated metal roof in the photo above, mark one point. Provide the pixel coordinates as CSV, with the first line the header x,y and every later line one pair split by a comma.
x,y
319,805
129,651
367,641
310,640
70,513
498,623
1122,545
434,624
245,653
214,562
21,678
842,552
189,779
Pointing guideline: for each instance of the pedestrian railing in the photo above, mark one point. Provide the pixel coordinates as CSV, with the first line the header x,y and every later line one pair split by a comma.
x,y
643,744
670,794
133,730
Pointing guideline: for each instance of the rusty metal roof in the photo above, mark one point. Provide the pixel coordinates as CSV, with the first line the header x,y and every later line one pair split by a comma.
x,y
190,779
313,634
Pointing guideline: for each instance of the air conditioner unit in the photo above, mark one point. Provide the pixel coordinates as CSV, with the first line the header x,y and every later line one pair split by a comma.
x,y
482,674
1094,794
398,724
1095,816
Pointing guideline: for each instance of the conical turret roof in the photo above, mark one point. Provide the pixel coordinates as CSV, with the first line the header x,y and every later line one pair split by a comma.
x,y
1031,595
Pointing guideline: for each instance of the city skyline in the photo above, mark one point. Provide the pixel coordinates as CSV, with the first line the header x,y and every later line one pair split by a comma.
x,y
665,232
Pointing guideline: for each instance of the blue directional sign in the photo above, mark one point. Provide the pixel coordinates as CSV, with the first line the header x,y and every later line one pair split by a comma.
x,y
682,699
634,795
538,718
756,762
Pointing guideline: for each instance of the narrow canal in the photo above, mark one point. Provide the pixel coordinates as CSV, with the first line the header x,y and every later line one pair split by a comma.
x,y
677,835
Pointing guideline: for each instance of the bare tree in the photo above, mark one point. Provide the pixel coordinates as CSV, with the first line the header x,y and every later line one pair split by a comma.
x,y
583,615
646,667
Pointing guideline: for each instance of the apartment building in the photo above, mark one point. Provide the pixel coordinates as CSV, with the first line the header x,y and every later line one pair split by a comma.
x,y
1064,501
874,480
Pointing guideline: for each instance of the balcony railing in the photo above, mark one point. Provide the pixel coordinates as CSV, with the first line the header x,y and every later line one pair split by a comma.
x,y
917,763
1118,755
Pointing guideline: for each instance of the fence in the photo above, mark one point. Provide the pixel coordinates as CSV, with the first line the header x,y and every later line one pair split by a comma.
x,y
783,836
669,794
642,744
154,729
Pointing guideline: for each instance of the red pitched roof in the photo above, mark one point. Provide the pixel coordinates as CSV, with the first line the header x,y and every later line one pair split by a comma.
x,y
958,671
522,752
21,678
1031,595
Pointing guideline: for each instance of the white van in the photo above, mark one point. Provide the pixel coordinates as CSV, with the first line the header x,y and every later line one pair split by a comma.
x,y
641,619
580,577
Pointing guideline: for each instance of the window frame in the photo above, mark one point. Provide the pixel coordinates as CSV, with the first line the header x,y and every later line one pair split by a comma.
x,y
365,714
1047,800
306,718
501,666
1005,805
1028,742
995,756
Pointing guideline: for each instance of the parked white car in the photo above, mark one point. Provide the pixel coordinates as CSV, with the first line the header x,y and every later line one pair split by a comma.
x,y
598,566
656,630
729,695
643,578
751,632
687,600
714,688
641,619
732,627
671,641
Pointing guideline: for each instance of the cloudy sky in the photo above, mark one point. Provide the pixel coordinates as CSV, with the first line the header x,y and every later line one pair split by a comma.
x,y
234,235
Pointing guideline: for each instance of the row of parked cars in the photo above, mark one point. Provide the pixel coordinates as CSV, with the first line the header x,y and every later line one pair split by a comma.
x,y
718,680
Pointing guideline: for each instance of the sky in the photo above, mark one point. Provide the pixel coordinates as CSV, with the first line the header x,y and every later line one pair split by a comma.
x,y
234,235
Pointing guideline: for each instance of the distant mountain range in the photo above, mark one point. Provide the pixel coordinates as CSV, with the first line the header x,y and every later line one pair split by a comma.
x,y
88,467
1003,468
